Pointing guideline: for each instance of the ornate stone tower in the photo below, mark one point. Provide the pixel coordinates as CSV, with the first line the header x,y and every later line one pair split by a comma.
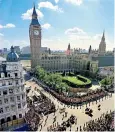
x,y
90,53
35,39
102,45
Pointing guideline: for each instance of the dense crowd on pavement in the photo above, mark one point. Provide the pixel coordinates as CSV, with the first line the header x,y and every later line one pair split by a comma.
x,y
40,106
79,100
32,118
104,123
46,107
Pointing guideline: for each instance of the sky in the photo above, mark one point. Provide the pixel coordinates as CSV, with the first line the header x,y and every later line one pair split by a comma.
x,y
78,22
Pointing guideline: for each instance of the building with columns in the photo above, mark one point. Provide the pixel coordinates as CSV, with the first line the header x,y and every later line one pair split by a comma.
x,y
12,91
69,61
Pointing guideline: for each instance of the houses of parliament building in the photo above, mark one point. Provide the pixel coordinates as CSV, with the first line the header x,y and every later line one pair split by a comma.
x,y
66,61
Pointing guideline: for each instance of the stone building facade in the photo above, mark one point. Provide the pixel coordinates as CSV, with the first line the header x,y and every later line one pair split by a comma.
x,y
12,91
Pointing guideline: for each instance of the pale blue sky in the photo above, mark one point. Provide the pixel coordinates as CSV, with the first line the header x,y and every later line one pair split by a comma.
x,y
80,22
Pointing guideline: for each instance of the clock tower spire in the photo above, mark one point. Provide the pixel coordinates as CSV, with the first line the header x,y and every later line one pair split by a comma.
x,y
34,17
35,38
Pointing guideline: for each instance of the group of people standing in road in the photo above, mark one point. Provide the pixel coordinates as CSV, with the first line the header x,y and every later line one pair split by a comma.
x,y
65,124
104,123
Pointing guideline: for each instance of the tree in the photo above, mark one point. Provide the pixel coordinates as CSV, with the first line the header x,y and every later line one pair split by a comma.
x,y
51,79
40,73
63,87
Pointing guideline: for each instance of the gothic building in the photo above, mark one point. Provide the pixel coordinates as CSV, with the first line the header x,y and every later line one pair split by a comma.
x,y
35,39
55,62
12,92
102,45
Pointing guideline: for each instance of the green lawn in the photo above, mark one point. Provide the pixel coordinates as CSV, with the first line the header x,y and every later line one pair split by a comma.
x,y
74,80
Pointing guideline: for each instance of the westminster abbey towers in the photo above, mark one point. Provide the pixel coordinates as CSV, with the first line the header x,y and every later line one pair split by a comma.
x,y
35,39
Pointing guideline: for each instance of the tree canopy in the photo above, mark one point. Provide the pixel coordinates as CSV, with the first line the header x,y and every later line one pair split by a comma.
x,y
53,80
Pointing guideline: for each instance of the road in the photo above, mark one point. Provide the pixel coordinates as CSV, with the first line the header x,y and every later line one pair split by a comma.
x,y
106,105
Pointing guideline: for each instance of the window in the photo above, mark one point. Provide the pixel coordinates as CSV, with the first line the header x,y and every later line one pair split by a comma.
x,y
19,106
18,98
3,84
22,88
16,74
1,110
10,91
0,102
12,107
11,99
16,82
8,75
5,92
23,104
20,115
7,108
6,100
22,96
9,83
17,90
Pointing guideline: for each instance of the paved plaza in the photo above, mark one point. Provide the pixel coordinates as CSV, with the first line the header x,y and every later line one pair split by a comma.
x,y
106,105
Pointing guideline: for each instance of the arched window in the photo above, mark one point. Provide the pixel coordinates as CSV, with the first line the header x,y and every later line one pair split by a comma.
x,y
20,115
14,117
8,75
2,121
8,119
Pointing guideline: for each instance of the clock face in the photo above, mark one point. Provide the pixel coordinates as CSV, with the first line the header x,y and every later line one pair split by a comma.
x,y
36,32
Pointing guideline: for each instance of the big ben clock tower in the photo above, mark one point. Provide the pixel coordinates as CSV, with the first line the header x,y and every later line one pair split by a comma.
x,y
35,39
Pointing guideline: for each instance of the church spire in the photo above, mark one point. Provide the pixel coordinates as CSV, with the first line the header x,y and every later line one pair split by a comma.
x,y
103,37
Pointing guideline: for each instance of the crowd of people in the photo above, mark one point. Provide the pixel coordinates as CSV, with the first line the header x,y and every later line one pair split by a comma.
x,y
32,119
41,105
79,100
104,123
38,107
46,107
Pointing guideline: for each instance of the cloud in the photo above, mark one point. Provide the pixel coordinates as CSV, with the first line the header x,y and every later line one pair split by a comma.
x,y
1,34
74,31
56,1
4,42
78,37
46,26
21,43
77,34
28,14
9,25
54,43
49,5
75,2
